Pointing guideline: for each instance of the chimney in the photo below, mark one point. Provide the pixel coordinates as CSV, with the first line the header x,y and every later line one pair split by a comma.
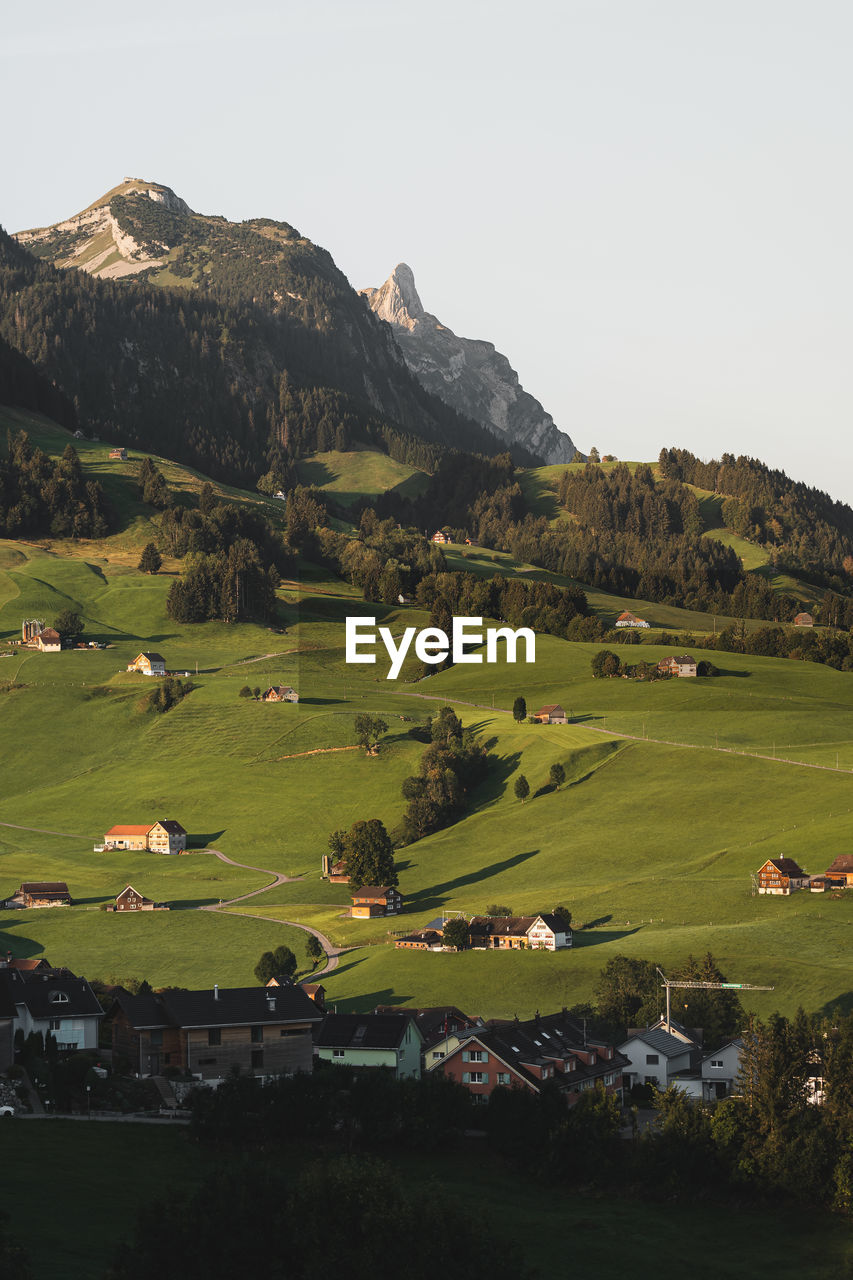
x,y
216,990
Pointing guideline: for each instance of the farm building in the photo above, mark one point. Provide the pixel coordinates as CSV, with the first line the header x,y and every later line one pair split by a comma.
x,y
537,933
47,641
314,991
420,940
553,713
150,664
376,900
164,836
41,893
118,455
258,1030
804,620
841,871
628,619
526,1055
438,536
781,876
280,693
334,872
681,665
131,900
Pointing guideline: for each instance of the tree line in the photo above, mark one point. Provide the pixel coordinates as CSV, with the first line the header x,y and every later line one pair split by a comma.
x,y
42,496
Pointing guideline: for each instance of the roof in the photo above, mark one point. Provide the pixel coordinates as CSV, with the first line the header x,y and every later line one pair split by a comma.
x,y
661,1041
229,1007
374,891
844,862
433,1023
171,825
48,633
130,889
43,886
546,711
130,830
625,615
43,994
683,657
787,867
152,657
517,926
555,923
362,1031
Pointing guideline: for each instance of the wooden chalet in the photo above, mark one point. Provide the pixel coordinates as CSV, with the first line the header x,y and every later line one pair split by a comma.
x,y
628,619
440,537
376,900
678,665
280,693
118,455
552,1050
150,664
781,876
553,713
258,1030
41,893
840,873
131,900
804,620
127,836
164,836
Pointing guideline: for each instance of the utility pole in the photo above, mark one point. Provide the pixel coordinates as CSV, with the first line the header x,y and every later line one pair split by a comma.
x,y
669,983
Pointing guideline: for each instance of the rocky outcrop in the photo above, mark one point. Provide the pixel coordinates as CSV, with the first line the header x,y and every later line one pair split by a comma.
x,y
467,374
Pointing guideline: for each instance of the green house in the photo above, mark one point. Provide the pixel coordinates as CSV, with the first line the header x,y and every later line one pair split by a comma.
x,y
388,1040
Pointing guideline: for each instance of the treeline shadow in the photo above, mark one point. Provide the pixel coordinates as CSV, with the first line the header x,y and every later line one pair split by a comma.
x,y
432,898
201,839
595,938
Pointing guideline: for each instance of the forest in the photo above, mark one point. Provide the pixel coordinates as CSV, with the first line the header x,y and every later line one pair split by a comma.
x,y
42,496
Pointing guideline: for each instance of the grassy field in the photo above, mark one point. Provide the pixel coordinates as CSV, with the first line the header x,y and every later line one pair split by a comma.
x,y
677,791
607,1234
359,473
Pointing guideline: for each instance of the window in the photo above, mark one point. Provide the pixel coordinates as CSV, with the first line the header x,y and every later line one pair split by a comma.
x,y
478,1055
438,1055
716,1062
337,1053
651,1059
58,997
503,1077
479,1077
54,1024
257,1035
214,1036
257,1058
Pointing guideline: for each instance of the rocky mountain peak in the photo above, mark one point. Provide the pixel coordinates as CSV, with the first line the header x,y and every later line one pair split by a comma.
x,y
468,374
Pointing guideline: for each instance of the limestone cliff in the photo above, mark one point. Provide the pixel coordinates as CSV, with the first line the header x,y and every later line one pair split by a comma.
x,y
467,374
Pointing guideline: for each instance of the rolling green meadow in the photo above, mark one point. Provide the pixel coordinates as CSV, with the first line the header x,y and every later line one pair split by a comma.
x,y
676,792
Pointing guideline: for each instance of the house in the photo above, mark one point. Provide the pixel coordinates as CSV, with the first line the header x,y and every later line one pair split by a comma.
x,y
281,495
376,900
440,1026
781,875
420,940
370,1040
150,664
314,991
537,933
402,598
469,542
683,665
553,713
56,1003
26,966
720,1070
280,693
840,873
438,536
628,619
119,455
554,1049
41,893
260,1031
47,640
164,836
167,836
131,900
655,1056
804,620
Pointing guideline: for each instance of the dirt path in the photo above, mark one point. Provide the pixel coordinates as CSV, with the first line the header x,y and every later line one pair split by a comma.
x,y
332,952
244,662
44,831
318,751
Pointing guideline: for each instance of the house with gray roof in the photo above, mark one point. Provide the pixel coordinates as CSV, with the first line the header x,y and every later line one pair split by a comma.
x,y
656,1057
370,1040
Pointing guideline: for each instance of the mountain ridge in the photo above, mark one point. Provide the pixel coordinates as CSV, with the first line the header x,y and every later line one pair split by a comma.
x,y
469,374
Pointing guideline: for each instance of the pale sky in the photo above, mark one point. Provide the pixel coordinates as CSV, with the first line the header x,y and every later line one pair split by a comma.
x,y
645,204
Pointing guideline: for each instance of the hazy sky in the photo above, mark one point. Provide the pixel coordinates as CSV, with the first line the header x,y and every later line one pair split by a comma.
x,y
645,204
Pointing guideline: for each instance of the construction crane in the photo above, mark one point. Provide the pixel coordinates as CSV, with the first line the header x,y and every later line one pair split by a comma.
x,y
669,983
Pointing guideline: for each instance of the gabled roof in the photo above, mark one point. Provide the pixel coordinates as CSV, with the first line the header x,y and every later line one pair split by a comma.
x,y
230,1007
124,830
171,825
504,926
433,1023
130,889
844,862
374,891
43,886
681,658
555,923
152,657
550,709
53,994
787,867
362,1031
660,1041
48,633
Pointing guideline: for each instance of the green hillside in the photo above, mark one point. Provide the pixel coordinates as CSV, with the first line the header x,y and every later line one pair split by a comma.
x,y
676,791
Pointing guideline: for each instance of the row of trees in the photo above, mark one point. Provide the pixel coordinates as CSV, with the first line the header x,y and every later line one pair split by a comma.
x,y
454,763
42,496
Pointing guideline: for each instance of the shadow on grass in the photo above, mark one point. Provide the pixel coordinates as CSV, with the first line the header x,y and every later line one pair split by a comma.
x,y
201,839
367,1002
435,897
582,938
841,1005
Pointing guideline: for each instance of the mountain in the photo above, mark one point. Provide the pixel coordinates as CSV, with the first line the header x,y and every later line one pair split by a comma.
x,y
236,347
466,373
